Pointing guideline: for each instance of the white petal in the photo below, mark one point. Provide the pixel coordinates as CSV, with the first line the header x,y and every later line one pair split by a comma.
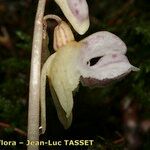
x,y
112,63
76,11
102,43
135,68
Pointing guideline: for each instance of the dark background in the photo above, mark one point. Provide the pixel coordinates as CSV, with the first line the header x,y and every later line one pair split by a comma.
x,y
100,113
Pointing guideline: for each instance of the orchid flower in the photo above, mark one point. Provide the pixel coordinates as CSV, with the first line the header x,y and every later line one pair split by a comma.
x,y
76,11
72,63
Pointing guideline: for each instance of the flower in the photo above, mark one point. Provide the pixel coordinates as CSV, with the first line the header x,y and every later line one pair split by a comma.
x,y
95,61
76,11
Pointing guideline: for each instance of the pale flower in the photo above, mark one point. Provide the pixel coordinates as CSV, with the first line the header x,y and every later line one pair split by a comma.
x,y
95,61
76,11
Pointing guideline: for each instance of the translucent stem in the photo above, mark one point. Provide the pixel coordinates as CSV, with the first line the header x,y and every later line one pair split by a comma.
x,y
34,88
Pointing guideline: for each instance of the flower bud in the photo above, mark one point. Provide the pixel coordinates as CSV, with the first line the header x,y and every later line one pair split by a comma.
x,y
62,35
76,11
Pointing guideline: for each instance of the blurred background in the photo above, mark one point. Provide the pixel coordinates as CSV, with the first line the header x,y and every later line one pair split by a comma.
x,y
116,117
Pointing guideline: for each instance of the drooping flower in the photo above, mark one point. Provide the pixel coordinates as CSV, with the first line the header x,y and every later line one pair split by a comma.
x,y
76,11
73,62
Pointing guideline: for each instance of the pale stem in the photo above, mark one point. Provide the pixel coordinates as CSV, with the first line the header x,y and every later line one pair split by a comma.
x,y
45,51
34,88
51,16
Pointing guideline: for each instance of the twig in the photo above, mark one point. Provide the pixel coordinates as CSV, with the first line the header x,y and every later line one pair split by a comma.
x,y
34,89
118,141
19,131
145,126
5,38
119,12
131,124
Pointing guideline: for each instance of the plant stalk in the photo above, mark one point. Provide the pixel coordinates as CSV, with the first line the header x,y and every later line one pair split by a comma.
x,y
34,87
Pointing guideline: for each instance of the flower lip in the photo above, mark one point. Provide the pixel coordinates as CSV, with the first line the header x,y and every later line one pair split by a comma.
x,y
92,82
107,69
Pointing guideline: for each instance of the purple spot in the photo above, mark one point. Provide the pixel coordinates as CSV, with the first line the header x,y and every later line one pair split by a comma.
x,y
79,9
114,55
